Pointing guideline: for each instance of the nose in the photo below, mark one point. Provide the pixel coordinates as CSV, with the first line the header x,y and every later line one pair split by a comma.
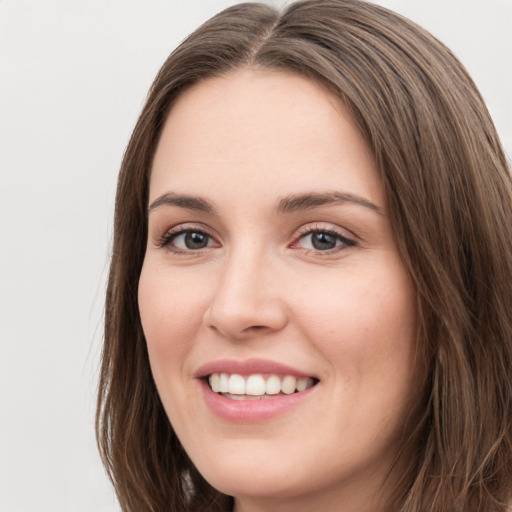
x,y
248,300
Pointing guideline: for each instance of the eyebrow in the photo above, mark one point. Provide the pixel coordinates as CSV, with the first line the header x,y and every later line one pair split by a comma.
x,y
183,201
287,204
308,201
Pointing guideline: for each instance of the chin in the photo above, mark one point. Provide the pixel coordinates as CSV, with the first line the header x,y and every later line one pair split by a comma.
x,y
253,471
252,483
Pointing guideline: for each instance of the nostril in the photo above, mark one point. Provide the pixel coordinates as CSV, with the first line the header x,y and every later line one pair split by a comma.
x,y
254,329
240,319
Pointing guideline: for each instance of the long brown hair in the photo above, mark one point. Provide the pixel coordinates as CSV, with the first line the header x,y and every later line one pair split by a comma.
x,y
450,199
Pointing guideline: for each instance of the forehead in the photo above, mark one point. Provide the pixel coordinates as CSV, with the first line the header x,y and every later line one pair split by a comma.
x,y
237,91
257,128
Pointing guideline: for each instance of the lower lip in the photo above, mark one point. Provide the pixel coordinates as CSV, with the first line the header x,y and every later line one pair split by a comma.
x,y
250,411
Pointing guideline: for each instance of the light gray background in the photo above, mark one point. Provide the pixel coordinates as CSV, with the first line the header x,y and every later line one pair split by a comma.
x,y
73,77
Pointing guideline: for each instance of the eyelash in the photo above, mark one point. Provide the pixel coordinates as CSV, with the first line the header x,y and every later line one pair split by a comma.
x,y
307,230
172,234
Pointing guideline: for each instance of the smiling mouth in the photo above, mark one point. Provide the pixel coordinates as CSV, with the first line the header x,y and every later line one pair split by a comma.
x,y
257,387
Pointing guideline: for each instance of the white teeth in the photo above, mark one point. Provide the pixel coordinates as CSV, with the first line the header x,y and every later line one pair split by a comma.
x,y
237,397
256,385
215,382
273,385
236,385
223,383
304,383
288,385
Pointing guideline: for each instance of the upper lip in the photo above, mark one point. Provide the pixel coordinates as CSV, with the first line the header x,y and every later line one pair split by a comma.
x,y
248,367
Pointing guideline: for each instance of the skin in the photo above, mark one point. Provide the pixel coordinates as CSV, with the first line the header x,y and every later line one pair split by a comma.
x,y
261,289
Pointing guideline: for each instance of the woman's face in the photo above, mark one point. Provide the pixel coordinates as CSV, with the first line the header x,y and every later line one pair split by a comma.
x,y
272,271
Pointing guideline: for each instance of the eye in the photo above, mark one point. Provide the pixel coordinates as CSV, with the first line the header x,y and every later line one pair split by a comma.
x,y
192,240
322,240
187,240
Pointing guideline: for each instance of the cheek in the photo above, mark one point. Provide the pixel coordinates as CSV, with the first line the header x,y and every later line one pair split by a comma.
x,y
171,313
363,322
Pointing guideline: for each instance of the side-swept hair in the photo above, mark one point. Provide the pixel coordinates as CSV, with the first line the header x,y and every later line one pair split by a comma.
x,y
449,193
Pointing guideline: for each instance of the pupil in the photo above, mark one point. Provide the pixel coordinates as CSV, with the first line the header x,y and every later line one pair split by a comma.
x,y
196,240
323,241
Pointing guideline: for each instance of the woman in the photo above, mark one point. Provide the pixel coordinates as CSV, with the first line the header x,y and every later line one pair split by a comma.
x,y
308,303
